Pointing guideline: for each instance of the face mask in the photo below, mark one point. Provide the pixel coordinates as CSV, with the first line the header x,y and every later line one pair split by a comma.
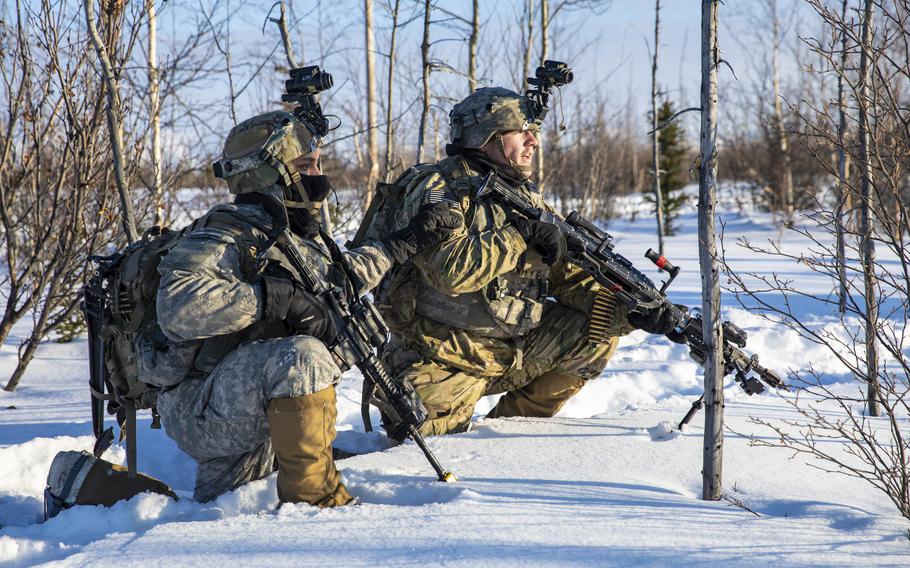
x,y
303,214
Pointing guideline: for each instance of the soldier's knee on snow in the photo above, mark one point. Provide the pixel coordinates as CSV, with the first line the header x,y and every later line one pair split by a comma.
x,y
302,365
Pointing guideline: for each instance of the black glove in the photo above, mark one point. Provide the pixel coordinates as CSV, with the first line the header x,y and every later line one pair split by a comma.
x,y
659,320
433,224
285,300
545,238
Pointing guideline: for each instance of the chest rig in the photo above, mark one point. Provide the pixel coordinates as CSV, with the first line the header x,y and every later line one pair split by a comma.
x,y
511,304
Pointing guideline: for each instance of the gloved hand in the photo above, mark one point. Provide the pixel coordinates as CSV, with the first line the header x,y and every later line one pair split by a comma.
x,y
545,238
285,300
433,224
659,320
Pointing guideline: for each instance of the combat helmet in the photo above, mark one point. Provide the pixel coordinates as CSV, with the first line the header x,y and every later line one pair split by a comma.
x,y
487,112
259,152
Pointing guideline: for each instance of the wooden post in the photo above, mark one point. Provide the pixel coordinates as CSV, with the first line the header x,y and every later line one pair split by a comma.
x,y
867,244
655,147
115,130
707,255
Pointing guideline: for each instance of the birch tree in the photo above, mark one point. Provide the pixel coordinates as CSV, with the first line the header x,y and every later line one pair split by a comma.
x,y
707,255
655,149
786,171
867,242
472,46
113,112
425,80
372,134
390,96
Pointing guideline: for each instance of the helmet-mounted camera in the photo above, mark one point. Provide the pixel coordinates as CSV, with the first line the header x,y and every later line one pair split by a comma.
x,y
301,89
550,74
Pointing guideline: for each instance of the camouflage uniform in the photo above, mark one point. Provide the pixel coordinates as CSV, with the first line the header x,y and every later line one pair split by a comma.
x,y
209,299
480,313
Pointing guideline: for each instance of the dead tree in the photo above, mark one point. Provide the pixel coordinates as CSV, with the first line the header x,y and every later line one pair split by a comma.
x,y
113,112
867,243
425,68
157,189
842,190
472,46
655,147
372,134
544,54
707,255
786,175
390,94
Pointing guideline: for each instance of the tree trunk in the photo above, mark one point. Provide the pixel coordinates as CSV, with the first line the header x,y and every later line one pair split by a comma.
x,y
472,47
707,255
155,115
286,36
425,58
842,188
544,53
529,45
372,134
390,129
867,244
783,142
113,122
655,147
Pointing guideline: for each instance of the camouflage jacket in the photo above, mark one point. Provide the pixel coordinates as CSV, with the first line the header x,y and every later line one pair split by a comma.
x,y
209,299
470,300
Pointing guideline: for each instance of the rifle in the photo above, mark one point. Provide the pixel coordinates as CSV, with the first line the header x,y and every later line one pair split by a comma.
x,y
362,332
592,250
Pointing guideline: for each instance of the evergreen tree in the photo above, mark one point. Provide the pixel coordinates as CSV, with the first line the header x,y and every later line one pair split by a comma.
x,y
674,175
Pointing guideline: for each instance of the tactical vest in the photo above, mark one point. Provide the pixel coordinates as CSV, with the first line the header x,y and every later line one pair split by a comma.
x,y
509,306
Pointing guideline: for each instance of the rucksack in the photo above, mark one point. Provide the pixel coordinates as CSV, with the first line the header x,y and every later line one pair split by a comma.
x,y
130,358
119,307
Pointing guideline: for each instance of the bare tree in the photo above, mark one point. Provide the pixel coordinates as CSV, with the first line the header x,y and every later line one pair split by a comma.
x,y
867,244
842,189
113,111
786,183
372,134
157,188
544,54
472,46
390,95
707,255
655,147
426,64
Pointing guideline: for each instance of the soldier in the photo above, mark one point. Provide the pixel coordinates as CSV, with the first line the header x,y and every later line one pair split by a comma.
x,y
494,308
260,391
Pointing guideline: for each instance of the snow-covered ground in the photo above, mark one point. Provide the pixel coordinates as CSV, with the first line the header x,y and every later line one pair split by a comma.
x,y
605,483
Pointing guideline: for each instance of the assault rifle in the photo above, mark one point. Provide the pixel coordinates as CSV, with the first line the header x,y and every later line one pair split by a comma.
x,y
591,249
362,332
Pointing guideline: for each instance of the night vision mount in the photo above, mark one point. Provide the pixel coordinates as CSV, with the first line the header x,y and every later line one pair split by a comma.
x,y
550,74
301,89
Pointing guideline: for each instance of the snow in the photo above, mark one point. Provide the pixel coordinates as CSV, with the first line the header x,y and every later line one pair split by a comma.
x,y
608,482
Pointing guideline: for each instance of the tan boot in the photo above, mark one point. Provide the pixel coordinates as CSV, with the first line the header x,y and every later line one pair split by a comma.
x,y
542,397
302,430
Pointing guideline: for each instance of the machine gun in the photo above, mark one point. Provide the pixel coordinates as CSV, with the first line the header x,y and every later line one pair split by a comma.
x,y
592,249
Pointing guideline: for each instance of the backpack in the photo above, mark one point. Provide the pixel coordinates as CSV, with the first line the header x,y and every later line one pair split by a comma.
x,y
119,307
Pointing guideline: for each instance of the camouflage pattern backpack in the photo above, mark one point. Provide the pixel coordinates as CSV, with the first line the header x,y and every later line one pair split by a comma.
x,y
124,336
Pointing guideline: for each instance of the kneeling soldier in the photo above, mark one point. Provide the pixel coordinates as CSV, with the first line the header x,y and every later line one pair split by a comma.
x,y
260,391
494,308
